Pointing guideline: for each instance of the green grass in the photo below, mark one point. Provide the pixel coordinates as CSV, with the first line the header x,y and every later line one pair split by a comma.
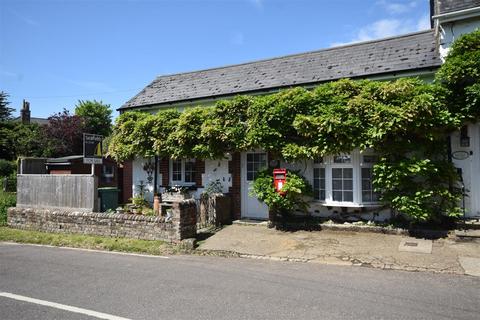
x,y
153,247
7,199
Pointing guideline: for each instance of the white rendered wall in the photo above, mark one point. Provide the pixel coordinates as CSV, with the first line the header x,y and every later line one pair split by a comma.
x,y
450,31
217,170
470,167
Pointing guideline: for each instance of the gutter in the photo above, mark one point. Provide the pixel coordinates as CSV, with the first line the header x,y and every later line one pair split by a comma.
x,y
458,15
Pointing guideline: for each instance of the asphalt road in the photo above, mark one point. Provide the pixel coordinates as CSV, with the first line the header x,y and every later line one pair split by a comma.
x,y
192,287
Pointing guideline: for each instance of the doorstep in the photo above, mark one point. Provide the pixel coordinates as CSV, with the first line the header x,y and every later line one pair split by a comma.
x,y
250,222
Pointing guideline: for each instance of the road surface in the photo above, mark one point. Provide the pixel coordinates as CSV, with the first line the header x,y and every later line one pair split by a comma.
x,y
57,283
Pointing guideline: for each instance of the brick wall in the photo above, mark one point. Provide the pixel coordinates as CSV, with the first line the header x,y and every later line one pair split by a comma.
x,y
127,181
200,169
164,171
182,225
235,189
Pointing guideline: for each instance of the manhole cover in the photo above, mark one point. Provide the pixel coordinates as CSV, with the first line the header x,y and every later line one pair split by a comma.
x,y
411,244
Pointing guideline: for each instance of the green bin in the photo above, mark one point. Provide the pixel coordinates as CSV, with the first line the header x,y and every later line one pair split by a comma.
x,y
108,198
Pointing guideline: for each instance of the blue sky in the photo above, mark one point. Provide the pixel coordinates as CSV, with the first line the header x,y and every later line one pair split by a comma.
x,y
54,53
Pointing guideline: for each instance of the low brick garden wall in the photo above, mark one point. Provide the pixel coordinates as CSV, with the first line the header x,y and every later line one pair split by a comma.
x,y
181,226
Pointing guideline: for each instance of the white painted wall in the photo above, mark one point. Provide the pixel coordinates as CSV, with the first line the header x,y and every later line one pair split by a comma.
x,y
450,31
217,170
470,167
138,175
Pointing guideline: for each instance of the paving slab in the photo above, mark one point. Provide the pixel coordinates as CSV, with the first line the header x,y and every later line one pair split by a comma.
x,y
470,265
415,245
343,248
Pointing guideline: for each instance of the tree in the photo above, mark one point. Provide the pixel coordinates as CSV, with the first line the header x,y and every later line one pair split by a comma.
x,y
5,110
98,116
64,135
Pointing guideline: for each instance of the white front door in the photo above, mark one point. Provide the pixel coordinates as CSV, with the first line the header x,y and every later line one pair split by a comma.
x,y
252,162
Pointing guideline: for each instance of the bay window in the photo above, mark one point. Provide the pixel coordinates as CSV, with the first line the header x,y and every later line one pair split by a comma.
x,y
345,180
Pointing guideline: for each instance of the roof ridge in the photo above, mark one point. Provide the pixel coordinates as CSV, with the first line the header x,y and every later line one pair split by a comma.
x,y
293,55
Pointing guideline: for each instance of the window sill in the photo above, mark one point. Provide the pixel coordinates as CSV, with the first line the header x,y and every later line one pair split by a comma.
x,y
348,204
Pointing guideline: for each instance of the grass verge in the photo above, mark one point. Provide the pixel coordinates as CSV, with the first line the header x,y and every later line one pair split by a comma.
x,y
153,247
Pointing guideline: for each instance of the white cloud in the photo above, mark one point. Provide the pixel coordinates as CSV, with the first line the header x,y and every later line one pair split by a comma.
x,y
257,3
424,23
397,7
93,85
238,39
387,28
24,18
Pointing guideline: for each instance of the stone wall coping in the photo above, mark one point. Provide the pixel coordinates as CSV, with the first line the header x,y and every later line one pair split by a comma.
x,y
100,215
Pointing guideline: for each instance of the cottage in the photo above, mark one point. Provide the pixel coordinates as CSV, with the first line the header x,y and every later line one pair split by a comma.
x,y
342,183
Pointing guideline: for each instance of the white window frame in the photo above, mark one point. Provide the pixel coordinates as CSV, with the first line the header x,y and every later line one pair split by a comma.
x,y
182,181
356,164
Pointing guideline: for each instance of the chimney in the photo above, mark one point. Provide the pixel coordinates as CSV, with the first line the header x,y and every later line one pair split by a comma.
x,y
25,112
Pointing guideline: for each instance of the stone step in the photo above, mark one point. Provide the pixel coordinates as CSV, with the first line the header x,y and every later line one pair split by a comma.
x,y
471,233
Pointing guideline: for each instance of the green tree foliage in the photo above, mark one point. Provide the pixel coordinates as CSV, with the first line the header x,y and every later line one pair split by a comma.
x,y
460,74
18,139
97,115
5,110
7,168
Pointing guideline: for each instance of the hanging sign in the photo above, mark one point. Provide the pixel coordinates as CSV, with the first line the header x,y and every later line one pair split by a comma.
x,y
92,148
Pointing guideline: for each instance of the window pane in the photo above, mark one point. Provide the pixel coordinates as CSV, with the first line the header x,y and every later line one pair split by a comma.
x,y
348,173
318,160
177,170
336,184
342,159
366,173
337,196
348,196
189,170
319,183
366,196
348,184
337,173
370,159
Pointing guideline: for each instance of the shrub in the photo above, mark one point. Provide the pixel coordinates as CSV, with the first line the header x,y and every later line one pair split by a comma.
x,y
296,189
7,200
7,168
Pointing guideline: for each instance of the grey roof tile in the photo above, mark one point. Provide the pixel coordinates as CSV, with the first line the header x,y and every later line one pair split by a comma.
x,y
402,53
446,6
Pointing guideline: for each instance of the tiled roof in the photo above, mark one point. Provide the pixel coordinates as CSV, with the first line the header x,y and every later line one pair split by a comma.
x,y
402,53
446,6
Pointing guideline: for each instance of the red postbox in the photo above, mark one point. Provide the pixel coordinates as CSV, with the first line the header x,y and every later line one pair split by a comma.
x,y
279,179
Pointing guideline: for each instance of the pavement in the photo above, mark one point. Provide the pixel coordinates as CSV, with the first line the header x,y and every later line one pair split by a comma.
x,y
38,282
376,250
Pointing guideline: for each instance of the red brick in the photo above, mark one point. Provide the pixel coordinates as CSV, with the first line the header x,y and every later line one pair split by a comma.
x,y
235,189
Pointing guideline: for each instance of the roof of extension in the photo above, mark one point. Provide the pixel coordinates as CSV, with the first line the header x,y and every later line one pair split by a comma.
x,y
385,56
446,6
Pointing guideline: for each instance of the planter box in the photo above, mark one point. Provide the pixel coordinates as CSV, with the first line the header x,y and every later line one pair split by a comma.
x,y
175,196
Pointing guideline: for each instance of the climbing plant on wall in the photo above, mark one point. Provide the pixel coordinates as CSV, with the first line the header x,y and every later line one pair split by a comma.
x,y
406,121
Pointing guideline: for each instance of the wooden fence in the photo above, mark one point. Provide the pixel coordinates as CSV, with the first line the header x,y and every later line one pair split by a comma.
x,y
78,192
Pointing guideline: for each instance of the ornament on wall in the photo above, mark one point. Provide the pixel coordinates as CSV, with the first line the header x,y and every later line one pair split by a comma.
x,y
149,168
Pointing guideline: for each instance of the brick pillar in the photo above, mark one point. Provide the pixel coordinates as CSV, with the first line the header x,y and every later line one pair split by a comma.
x,y
164,171
200,169
235,189
127,181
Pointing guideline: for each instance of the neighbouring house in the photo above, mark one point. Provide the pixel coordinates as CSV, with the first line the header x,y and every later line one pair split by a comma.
x,y
342,184
26,118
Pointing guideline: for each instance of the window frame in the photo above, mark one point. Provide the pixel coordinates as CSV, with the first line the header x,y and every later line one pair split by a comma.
x,y
182,181
356,164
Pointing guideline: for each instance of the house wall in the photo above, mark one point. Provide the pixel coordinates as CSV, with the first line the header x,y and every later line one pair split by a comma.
x,y
449,31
